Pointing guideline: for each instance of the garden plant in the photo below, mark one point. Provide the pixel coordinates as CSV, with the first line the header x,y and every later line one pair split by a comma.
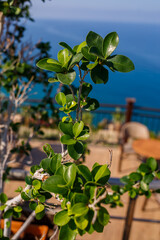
x,y
82,193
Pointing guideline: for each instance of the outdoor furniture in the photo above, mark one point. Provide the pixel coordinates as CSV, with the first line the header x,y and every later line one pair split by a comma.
x,y
148,148
129,132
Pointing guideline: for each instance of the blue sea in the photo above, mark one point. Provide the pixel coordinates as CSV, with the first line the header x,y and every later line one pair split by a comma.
x,y
140,42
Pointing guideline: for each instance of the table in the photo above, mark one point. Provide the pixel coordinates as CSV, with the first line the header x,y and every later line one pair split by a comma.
x,y
147,148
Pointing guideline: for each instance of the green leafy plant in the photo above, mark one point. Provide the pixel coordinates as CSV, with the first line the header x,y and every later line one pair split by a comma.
x,y
81,192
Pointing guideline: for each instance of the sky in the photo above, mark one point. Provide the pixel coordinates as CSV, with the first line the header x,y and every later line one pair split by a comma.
x,y
143,11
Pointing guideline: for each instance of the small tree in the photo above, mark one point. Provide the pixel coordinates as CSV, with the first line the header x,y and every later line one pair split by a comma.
x,y
82,193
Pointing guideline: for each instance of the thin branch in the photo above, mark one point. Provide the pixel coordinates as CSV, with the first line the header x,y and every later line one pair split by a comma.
x,y
72,92
111,156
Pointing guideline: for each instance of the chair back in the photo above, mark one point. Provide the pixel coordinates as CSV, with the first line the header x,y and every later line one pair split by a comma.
x,y
134,130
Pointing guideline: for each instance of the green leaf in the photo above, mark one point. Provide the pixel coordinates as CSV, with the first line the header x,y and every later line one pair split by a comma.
x,y
55,184
88,55
39,208
36,184
85,172
67,139
32,205
66,78
61,98
99,74
28,180
49,64
2,207
92,65
152,163
81,222
17,209
42,198
8,224
40,215
83,44
110,43
70,175
98,227
75,59
103,216
24,196
95,40
55,162
83,136
132,193
65,45
8,213
79,197
77,128
86,89
148,178
144,186
63,57
76,150
53,80
135,176
66,128
102,174
120,63
92,104
3,198
45,163
79,209
61,218
66,233
144,168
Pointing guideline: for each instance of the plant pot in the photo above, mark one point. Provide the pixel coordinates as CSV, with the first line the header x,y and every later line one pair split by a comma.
x,y
40,231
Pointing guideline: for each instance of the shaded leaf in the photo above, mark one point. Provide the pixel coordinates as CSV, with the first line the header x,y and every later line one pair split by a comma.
x,y
66,233
95,40
66,78
120,63
99,74
49,64
67,139
76,150
152,163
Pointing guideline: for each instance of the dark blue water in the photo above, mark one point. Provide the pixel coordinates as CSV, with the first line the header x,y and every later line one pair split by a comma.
x,y
140,42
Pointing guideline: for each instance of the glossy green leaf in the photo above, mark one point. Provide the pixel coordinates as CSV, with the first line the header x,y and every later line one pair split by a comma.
x,y
148,178
8,213
152,163
95,40
53,80
67,139
102,174
77,128
92,104
55,162
83,44
135,176
82,136
87,54
45,163
61,218
24,196
79,197
103,216
86,89
95,51
79,209
132,193
110,43
61,98
63,57
3,198
32,205
81,222
121,63
49,64
144,186
66,78
54,184
36,184
40,215
92,65
99,74
18,209
65,45
144,168
85,172
66,128
60,171
76,59
28,180
70,175
76,150
66,233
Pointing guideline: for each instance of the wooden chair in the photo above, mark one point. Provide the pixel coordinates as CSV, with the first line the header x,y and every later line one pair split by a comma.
x,y
129,132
